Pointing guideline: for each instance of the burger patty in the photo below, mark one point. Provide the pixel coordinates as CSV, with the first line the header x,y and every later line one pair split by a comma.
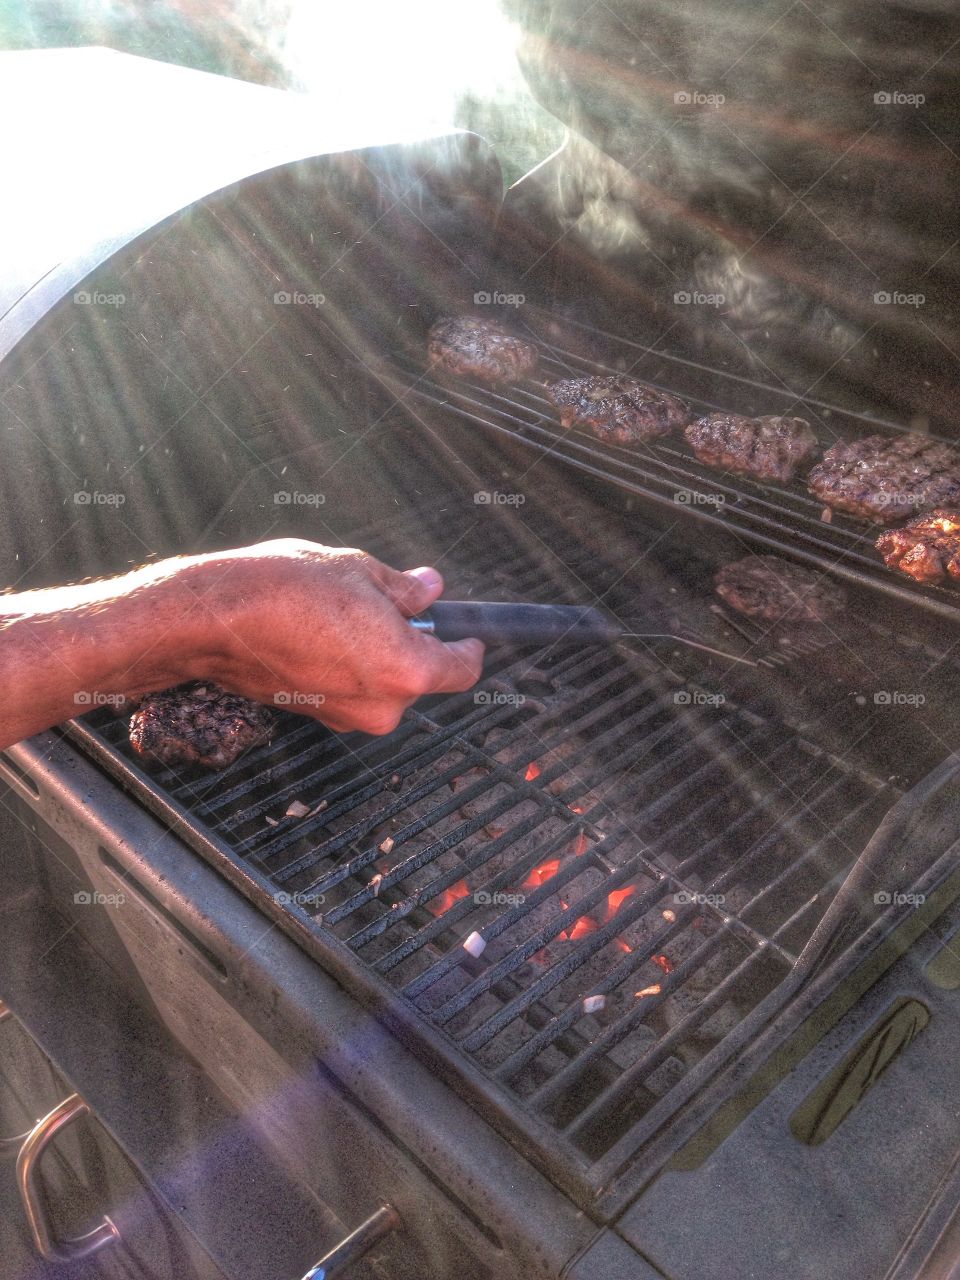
x,y
885,479
928,548
769,448
775,590
618,407
480,349
198,723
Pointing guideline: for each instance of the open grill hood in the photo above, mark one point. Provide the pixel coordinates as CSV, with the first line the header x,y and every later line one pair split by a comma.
x,y
700,843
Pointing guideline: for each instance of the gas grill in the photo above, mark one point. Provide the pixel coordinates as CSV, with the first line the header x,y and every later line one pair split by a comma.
x,y
556,950
569,782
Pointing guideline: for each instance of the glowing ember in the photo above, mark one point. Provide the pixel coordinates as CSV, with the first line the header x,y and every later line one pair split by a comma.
x,y
648,991
662,962
540,875
623,946
448,898
581,844
577,808
533,771
585,925
616,899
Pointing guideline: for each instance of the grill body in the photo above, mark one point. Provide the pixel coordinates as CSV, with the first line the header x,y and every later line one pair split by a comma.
x,y
699,843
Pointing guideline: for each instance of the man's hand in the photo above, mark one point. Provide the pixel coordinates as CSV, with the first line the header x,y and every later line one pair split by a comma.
x,y
323,630
318,629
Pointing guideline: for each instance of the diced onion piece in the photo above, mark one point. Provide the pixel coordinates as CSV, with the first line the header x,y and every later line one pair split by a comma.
x,y
475,945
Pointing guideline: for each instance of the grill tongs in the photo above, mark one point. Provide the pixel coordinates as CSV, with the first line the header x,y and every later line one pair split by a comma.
x,y
521,624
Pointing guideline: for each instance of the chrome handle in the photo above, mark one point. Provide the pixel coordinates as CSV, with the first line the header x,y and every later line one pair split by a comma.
x,y
352,1248
31,1191
10,1146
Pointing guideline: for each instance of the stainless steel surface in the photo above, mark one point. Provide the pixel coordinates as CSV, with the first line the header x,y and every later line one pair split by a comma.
x,y
392,1134
31,1192
356,1244
10,1146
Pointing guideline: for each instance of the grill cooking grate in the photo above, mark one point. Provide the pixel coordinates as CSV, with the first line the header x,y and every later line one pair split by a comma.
x,y
608,827
784,519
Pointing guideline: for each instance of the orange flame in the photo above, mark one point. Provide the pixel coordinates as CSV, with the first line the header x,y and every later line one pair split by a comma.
x,y
576,808
623,946
663,963
540,875
533,771
581,844
649,991
449,896
616,899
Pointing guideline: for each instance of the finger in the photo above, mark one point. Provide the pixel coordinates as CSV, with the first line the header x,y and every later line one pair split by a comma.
x,y
452,667
411,591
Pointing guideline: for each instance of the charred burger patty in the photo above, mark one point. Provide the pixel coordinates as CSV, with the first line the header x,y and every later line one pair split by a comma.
x,y
770,448
928,548
775,590
198,723
480,349
885,479
618,407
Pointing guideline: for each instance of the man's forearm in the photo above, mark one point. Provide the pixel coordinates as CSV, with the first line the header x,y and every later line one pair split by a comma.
x,y
66,648
284,617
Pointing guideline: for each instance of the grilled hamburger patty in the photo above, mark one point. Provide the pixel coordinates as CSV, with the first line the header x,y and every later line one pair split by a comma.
x,y
198,723
775,590
480,349
928,548
885,479
770,448
618,407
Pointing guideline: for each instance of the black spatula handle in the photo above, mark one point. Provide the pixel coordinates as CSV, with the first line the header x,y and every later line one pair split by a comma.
x,y
517,624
